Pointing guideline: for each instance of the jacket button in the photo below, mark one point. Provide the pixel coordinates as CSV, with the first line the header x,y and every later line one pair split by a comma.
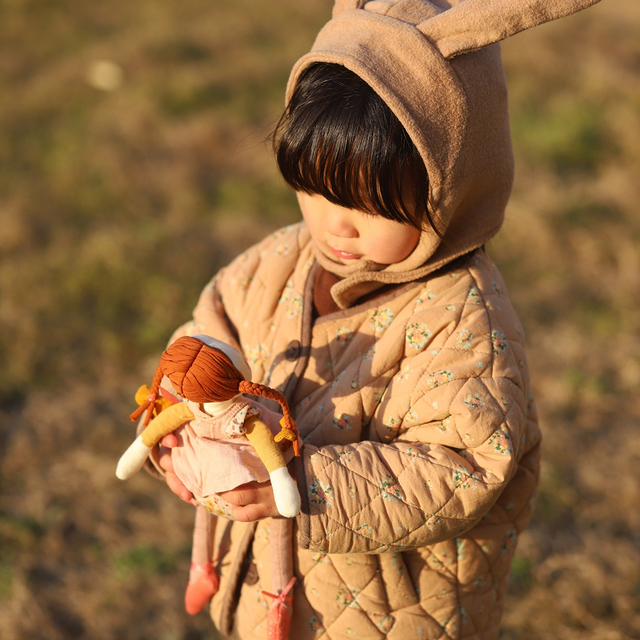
x,y
252,574
293,350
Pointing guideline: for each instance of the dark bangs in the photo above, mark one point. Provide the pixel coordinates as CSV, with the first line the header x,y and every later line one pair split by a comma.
x,y
338,139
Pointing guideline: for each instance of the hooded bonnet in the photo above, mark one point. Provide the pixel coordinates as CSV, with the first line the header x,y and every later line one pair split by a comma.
x,y
437,67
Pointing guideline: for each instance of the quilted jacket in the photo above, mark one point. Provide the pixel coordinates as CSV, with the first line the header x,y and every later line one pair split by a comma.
x,y
421,447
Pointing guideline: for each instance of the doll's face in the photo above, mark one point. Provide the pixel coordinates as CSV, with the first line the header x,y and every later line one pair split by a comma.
x,y
348,235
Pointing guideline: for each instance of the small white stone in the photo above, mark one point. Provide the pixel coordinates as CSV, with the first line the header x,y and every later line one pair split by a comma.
x,y
105,75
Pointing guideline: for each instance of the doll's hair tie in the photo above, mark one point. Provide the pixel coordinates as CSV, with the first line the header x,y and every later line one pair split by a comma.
x,y
288,431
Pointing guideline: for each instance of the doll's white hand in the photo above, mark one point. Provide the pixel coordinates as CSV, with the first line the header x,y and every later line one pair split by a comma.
x,y
133,459
285,492
166,464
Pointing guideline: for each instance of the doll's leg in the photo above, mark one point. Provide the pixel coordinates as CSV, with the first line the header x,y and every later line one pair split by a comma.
x,y
282,580
203,581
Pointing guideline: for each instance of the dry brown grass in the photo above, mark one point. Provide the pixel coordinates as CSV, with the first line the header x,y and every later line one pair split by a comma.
x,y
118,205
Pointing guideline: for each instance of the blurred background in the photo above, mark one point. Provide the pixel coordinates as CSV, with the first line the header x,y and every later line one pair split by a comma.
x,y
134,165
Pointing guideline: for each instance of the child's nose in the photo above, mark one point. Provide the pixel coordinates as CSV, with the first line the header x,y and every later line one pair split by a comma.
x,y
341,225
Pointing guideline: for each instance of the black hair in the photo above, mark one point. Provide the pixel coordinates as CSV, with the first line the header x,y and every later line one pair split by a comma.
x,y
338,139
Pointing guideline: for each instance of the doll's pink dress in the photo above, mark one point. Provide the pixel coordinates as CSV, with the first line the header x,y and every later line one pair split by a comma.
x,y
214,455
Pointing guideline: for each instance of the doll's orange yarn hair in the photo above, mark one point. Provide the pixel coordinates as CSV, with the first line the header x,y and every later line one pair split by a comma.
x,y
201,373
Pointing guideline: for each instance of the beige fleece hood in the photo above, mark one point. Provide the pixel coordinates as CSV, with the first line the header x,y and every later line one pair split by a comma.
x,y
436,65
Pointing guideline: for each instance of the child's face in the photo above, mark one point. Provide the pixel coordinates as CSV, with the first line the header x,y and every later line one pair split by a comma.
x,y
348,235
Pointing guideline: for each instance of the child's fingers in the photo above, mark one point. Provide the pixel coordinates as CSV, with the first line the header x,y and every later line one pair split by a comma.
x,y
247,493
252,501
164,459
169,441
175,484
250,512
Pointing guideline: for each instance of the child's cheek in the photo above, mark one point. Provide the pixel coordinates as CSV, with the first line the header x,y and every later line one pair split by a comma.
x,y
393,248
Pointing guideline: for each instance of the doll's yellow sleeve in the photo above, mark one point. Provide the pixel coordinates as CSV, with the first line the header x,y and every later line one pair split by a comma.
x,y
260,436
165,423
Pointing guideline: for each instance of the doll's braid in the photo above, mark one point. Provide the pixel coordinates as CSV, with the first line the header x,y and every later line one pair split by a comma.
x,y
256,389
289,430
149,404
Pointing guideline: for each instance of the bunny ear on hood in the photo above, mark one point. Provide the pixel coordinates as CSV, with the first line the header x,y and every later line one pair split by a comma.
x,y
473,24
342,5
435,64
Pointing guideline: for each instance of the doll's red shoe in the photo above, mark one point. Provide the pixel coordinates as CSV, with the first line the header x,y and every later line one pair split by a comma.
x,y
279,616
203,584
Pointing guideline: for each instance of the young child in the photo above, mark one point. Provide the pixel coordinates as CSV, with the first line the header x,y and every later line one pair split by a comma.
x,y
388,329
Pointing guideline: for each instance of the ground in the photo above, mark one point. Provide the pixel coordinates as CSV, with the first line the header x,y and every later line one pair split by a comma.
x,y
134,164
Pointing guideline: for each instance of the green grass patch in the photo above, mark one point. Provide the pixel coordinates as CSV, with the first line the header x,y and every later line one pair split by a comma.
x,y
19,534
147,560
588,214
566,136
521,574
6,581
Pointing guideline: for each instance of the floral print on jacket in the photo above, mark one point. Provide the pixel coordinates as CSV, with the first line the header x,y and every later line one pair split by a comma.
x,y
421,448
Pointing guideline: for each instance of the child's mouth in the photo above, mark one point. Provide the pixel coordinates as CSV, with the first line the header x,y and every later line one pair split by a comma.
x,y
344,255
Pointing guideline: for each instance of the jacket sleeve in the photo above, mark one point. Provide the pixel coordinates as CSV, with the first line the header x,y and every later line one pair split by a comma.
x,y
445,441
376,497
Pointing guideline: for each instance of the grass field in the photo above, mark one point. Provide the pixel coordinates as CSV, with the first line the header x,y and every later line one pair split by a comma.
x,y
134,165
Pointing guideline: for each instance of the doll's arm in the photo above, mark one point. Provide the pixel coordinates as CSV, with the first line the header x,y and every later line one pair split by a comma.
x,y
285,490
163,424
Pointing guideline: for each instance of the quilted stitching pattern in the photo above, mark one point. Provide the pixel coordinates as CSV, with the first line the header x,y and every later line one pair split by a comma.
x,y
435,376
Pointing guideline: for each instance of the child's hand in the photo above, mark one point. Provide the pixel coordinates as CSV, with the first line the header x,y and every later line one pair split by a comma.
x,y
166,463
252,501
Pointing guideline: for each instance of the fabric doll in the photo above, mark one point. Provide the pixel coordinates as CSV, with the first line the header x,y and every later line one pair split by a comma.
x,y
224,441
